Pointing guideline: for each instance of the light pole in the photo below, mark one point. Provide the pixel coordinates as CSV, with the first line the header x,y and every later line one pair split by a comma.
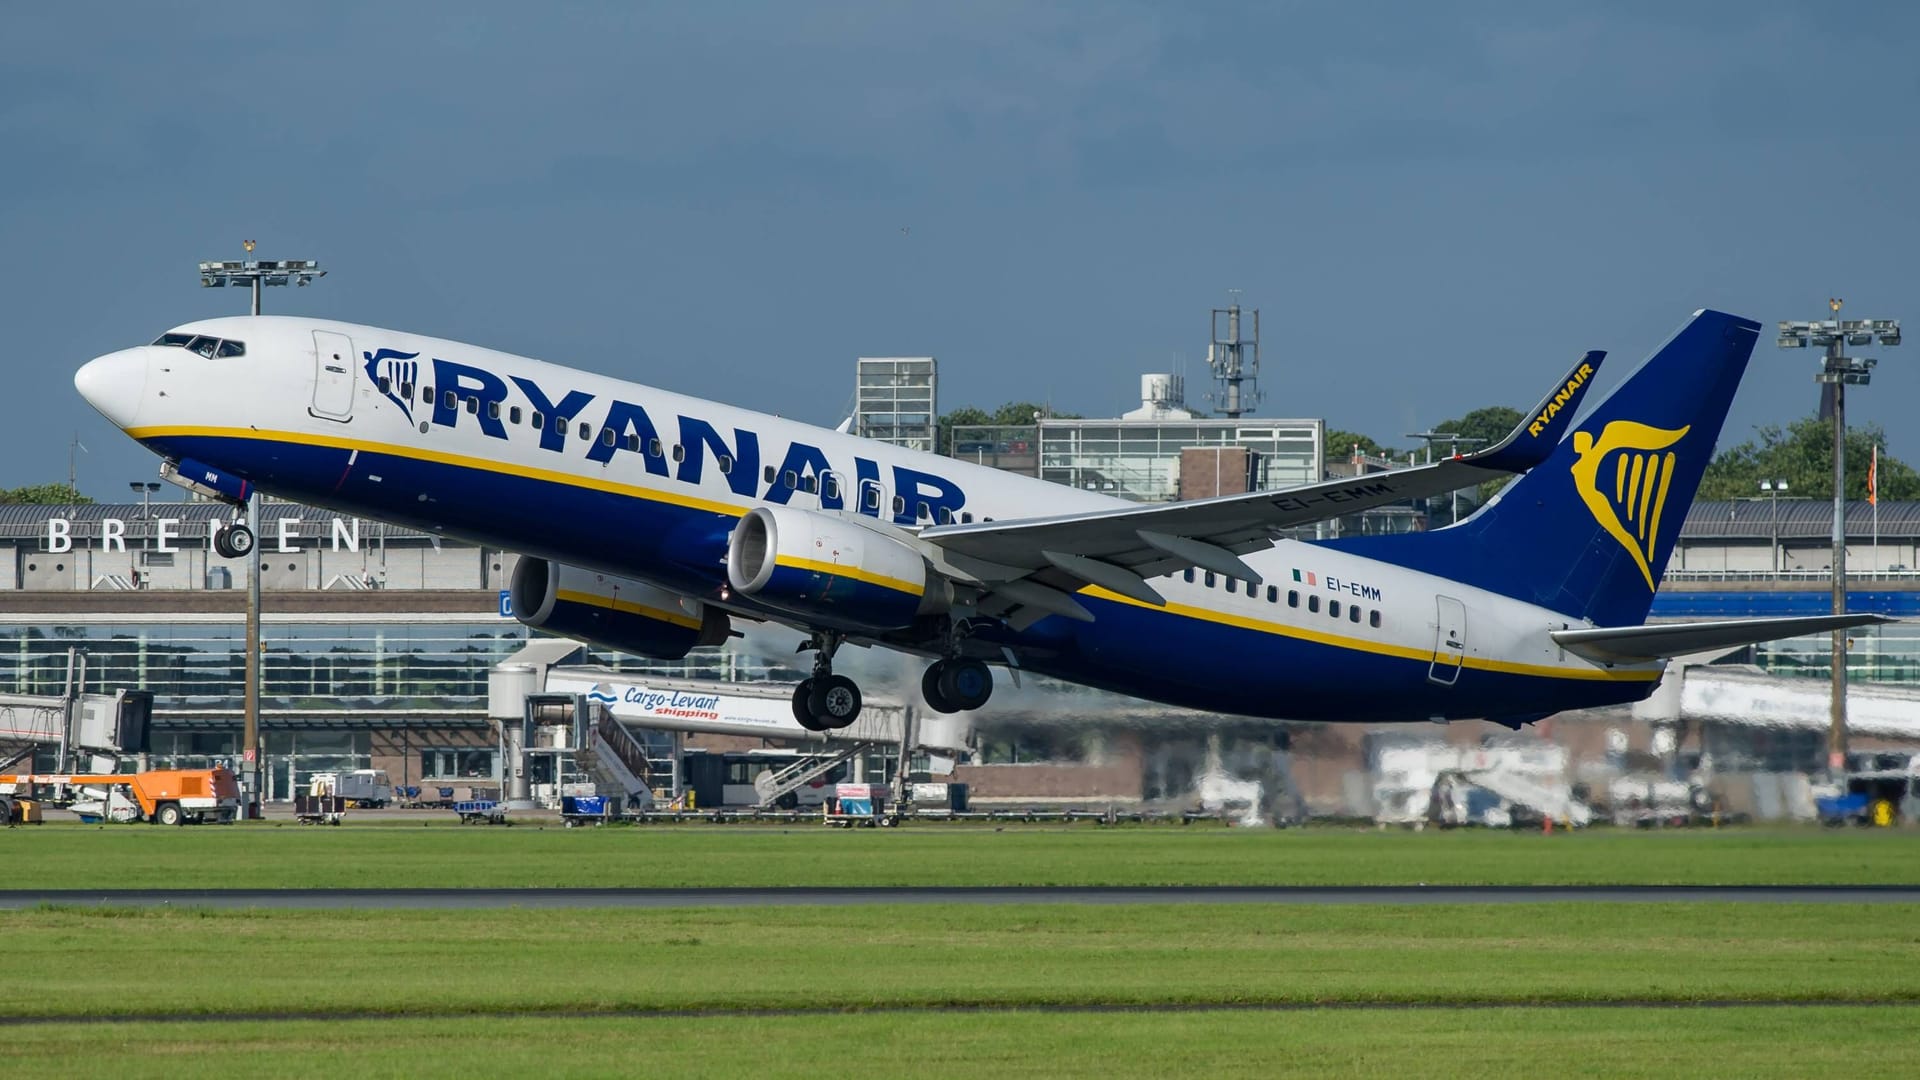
x,y
144,489
1839,371
255,274
1773,488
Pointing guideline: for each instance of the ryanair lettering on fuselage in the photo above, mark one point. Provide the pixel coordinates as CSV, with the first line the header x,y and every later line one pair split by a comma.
x,y
683,452
1561,400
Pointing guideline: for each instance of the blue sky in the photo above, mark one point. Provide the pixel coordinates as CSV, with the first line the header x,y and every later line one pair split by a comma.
x,y
1435,206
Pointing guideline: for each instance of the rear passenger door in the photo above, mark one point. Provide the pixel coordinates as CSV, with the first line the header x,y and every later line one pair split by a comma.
x,y
332,375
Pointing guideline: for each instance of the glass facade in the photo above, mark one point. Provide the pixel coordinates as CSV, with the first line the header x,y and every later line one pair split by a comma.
x,y
323,667
1888,653
894,401
1140,459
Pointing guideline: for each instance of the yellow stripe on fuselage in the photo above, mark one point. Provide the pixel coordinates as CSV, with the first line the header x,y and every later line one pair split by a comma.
x,y
677,618
1378,648
836,570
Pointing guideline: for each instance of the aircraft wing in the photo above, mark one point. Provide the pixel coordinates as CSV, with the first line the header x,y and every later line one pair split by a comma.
x,y
1116,549
1639,644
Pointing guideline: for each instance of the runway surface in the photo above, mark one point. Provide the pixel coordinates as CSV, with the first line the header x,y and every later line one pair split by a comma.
x,y
797,897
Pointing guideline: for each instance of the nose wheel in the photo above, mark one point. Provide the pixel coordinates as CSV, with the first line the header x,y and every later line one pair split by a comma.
x,y
233,541
825,702
952,686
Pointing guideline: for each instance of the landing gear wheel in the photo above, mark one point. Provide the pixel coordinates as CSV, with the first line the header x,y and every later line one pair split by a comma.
x,y
233,542
930,688
966,684
952,686
834,701
802,712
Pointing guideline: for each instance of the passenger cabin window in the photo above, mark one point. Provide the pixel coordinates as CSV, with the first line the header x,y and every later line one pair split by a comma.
x,y
829,486
493,410
1293,598
1209,579
513,415
899,505
724,463
791,479
1373,619
386,385
1333,608
1273,595
923,512
537,421
769,473
426,394
1188,574
873,498
679,452
1233,584
473,406
807,483
1353,614
606,436
631,442
966,517
406,390
452,400
586,430
1313,604
560,424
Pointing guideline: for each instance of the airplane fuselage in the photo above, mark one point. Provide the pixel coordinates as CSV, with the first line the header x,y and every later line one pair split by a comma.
x,y
631,480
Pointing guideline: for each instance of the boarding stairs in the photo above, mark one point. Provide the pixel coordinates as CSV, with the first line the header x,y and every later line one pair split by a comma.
x,y
770,786
1548,800
614,759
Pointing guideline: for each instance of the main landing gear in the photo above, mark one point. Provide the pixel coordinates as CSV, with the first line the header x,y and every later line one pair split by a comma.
x,y
233,541
825,701
952,686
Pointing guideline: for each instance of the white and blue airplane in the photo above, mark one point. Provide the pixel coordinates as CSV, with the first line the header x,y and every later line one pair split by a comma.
x,y
650,522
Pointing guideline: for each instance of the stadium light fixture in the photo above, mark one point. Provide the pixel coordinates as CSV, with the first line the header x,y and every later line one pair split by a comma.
x,y
1839,371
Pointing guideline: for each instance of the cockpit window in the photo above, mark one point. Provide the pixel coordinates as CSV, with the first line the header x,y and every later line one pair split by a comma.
x,y
208,347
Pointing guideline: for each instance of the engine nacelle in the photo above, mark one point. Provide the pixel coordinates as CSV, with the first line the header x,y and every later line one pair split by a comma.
x,y
612,612
833,568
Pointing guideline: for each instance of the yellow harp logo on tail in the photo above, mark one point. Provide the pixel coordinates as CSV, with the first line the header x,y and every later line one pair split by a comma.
x,y
1623,478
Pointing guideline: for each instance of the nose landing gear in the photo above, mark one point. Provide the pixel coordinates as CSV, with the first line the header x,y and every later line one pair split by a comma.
x,y
233,541
952,686
826,701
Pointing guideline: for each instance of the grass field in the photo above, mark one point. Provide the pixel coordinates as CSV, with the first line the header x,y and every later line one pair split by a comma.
x,y
272,855
516,992
1813,1042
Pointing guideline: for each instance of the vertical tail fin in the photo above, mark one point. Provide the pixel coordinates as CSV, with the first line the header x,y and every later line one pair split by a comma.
x,y
1589,530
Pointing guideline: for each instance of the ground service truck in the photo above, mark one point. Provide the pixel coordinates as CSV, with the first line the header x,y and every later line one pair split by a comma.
x,y
161,796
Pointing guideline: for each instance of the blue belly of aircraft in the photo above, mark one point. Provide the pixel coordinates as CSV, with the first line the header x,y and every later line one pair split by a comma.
x,y
1139,651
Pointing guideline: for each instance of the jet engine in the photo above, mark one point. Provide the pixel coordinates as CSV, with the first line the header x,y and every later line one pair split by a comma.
x,y
612,612
835,569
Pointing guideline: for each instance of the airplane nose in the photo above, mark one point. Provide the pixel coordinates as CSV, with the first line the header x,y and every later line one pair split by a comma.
x,y
115,384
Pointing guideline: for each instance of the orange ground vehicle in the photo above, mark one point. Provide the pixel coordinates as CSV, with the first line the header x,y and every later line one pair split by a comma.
x,y
161,796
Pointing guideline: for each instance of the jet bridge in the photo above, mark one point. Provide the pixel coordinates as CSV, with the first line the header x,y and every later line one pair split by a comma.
x,y
99,727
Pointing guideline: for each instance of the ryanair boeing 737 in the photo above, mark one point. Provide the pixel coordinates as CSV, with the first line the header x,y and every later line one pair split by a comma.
x,y
650,523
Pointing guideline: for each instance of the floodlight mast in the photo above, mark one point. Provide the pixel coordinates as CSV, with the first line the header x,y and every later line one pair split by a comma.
x,y
255,274
1837,372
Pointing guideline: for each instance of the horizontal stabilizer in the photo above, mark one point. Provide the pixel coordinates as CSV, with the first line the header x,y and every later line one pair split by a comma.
x,y
1639,644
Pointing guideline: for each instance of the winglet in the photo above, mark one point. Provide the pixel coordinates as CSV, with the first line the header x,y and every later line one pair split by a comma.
x,y
1543,428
